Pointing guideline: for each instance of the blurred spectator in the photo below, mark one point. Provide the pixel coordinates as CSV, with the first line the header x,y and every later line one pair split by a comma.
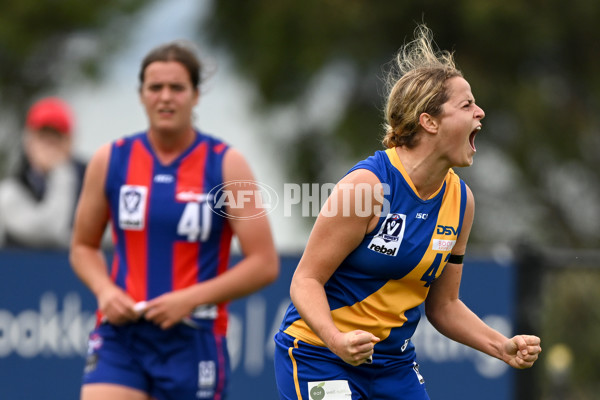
x,y
37,203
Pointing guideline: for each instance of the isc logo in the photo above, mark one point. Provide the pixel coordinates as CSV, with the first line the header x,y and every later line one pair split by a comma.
x,y
445,230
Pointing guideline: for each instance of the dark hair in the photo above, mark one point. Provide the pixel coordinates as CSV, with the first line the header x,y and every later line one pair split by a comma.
x,y
180,51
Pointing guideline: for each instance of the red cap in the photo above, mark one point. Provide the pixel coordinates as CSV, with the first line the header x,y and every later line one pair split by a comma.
x,y
50,112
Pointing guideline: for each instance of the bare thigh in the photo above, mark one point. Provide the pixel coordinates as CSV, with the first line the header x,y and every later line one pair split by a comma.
x,y
103,391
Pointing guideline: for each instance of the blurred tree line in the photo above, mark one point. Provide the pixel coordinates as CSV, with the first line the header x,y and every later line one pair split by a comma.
x,y
318,66
533,67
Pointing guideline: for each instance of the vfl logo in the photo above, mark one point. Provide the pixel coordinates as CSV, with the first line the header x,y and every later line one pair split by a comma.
x,y
391,227
132,207
131,200
387,240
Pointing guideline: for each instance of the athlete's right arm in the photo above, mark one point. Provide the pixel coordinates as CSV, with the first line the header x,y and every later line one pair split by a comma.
x,y
338,230
87,260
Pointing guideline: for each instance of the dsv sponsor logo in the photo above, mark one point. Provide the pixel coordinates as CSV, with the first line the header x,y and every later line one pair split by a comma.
x,y
446,230
256,199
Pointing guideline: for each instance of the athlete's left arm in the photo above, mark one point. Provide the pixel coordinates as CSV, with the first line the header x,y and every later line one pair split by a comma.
x,y
248,220
451,317
258,268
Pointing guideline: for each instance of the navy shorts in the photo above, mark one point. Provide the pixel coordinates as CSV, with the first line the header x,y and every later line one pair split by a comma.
x,y
308,372
180,363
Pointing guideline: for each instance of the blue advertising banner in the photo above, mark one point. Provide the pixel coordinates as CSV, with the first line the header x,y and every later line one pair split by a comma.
x,y
46,315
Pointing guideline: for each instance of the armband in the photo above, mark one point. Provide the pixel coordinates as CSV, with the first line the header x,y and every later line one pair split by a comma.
x,y
456,259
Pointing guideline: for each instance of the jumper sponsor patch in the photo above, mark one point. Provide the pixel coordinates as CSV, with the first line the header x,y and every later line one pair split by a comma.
x,y
442,245
329,390
186,195
132,207
388,239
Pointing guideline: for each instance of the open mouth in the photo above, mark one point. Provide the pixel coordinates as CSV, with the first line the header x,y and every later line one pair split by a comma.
x,y
472,137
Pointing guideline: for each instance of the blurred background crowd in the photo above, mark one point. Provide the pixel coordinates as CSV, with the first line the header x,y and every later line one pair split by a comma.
x,y
298,85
